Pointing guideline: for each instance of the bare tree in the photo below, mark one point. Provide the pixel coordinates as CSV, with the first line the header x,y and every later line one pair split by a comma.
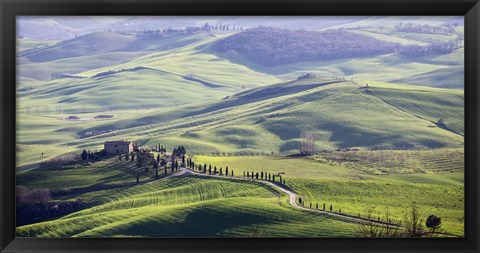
x,y
308,143
413,222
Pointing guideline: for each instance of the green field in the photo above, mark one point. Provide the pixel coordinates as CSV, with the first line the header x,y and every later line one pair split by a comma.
x,y
349,188
389,131
191,206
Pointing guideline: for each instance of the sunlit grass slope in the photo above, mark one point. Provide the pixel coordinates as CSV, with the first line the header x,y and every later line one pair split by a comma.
x,y
352,190
343,114
192,206
131,89
272,118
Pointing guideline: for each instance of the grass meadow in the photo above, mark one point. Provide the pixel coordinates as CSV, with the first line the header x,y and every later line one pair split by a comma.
x,y
389,131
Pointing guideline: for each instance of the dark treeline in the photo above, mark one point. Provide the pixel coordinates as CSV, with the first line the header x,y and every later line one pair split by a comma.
x,y
435,48
272,46
36,205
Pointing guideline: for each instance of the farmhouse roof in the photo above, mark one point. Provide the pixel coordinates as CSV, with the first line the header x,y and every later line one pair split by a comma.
x,y
118,142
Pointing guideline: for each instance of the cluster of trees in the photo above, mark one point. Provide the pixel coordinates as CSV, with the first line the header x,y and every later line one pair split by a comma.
x,y
36,205
432,49
160,148
179,151
93,156
424,28
273,46
221,27
190,30
264,176
211,170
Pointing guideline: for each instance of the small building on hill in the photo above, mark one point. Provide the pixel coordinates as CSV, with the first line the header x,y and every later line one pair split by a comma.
x,y
119,147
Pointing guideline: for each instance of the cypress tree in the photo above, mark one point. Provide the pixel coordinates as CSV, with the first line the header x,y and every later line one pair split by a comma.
x,y
244,174
261,175
119,157
331,208
323,206
158,158
232,173
226,171
316,206
165,169
205,169
256,175
210,170
269,177
310,204
248,175
133,156
253,174
84,155
215,170
220,171
126,157
300,200
138,179
156,173
273,178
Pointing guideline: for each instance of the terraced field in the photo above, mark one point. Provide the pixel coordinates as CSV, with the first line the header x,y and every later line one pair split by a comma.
x,y
397,161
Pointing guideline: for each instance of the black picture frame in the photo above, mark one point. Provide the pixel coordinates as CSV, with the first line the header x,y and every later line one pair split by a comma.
x,y
10,8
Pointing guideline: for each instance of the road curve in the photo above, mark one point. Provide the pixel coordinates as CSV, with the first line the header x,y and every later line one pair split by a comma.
x,y
292,197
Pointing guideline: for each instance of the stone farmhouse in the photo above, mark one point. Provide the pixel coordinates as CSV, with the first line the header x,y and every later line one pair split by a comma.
x,y
120,147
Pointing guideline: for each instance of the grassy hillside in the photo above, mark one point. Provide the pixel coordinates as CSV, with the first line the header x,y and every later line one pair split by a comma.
x,y
24,44
401,119
348,187
155,89
192,206
94,43
443,78
342,114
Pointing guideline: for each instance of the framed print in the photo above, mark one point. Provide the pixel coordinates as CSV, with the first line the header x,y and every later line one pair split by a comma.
x,y
243,126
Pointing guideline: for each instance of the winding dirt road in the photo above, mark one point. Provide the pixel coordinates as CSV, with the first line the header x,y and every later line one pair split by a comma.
x,y
292,196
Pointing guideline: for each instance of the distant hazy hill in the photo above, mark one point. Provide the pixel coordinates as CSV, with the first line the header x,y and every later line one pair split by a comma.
x,y
61,28
90,44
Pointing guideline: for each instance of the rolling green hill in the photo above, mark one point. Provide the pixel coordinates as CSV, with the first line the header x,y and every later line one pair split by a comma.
x,y
443,78
229,110
342,113
271,118
194,207
93,43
